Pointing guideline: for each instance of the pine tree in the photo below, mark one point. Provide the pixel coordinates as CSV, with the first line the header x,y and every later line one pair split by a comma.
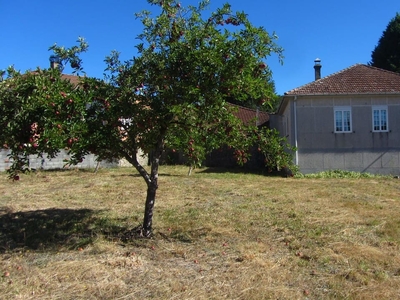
x,y
386,54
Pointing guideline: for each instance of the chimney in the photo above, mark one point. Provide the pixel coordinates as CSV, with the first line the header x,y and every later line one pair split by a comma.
x,y
317,68
55,62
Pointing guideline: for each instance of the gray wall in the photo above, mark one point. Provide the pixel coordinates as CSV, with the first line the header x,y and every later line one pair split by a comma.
x,y
58,162
319,148
383,161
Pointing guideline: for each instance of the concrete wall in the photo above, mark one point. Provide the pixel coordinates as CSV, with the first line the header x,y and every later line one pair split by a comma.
x,y
383,161
58,162
320,148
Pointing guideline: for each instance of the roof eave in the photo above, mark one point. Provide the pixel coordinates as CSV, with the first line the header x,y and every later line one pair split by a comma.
x,y
342,94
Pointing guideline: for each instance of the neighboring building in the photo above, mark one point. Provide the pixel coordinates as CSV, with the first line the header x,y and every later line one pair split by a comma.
x,y
349,120
224,157
58,162
248,116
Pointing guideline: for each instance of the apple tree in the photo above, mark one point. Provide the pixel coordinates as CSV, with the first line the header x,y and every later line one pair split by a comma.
x,y
173,93
41,112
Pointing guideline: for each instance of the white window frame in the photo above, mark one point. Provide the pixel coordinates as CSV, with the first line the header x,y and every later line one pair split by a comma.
x,y
342,111
382,124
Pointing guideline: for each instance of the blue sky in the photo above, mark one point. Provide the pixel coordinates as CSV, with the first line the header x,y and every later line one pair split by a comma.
x,y
340,33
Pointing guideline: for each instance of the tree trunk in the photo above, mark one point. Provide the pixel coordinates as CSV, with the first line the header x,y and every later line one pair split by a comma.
x,y
151,180
149,208
190,170
152,186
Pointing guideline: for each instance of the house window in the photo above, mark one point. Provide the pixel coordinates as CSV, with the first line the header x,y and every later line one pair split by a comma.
x,y
379,118
343,119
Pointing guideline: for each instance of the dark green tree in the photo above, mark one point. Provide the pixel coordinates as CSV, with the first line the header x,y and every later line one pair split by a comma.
x,y
386,54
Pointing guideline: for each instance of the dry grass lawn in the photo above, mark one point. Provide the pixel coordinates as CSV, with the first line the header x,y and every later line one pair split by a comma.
x,y
217,235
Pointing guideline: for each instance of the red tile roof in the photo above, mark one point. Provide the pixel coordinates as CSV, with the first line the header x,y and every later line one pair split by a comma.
x,y
248,115
75,80
357,79
71,78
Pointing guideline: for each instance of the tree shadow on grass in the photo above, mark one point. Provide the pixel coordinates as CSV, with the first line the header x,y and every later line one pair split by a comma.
x,y
53,229
235,170
284,172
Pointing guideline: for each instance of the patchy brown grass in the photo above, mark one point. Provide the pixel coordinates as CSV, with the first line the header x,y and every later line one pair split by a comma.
x,y
217,235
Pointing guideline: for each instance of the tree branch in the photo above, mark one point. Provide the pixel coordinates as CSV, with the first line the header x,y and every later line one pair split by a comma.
x,y
132,159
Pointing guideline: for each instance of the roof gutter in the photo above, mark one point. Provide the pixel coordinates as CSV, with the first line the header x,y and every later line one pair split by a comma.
x,y
394,93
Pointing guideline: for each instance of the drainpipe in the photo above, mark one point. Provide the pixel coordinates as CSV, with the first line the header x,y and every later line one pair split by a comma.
x,y
257,115
296,159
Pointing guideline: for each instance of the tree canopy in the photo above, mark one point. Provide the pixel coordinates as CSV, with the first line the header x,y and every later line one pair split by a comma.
x,y
386,54
172,94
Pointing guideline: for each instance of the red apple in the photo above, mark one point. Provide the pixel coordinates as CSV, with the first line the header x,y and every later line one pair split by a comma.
x,y
75,65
